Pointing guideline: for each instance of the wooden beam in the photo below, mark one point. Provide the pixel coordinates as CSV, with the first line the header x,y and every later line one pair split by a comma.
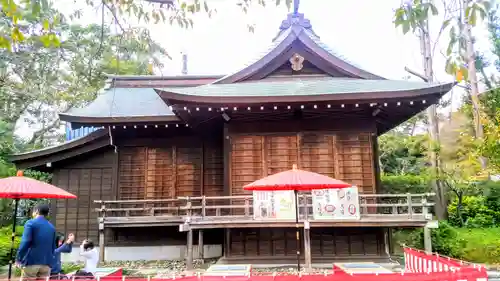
x,y
189,254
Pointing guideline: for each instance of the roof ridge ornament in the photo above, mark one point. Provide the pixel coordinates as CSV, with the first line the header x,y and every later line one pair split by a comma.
x,y
295,20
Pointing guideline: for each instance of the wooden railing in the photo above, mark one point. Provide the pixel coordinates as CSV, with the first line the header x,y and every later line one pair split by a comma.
x,y
212,208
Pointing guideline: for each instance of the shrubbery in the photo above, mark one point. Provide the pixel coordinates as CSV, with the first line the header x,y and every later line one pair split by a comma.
x,y
445,240
478,210
5,243
480,245
471,232
404,184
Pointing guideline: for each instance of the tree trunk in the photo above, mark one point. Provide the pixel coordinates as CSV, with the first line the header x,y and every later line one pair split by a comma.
x,y
460,196
433,129
472,77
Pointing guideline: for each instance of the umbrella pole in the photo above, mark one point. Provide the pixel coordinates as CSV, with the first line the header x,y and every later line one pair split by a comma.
x,y
297,228
14,220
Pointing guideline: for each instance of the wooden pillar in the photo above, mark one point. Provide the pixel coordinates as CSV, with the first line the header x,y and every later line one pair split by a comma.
x,y
386,242
227,242
376,162
427,230
427,240
391,241
201,252
189,255
227,160
307,245
102,245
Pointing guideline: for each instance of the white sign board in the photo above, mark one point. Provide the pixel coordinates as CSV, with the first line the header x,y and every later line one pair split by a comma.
x,y
273,205
336,204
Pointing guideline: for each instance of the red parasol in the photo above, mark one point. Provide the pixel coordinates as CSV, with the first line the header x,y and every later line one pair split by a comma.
x,y
296,180
27,188
21,187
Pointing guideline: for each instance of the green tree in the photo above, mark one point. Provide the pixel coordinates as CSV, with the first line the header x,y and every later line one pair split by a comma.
x,y
38,82
173,12
402,154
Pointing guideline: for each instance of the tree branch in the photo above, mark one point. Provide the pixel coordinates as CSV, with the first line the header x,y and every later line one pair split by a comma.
x,y
414,73
39,133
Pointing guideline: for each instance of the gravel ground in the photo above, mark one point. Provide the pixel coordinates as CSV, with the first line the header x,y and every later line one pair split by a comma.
x,y
171,265
168,268
288,270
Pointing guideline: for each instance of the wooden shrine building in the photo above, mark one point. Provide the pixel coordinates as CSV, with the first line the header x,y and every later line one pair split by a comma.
x,y
173,153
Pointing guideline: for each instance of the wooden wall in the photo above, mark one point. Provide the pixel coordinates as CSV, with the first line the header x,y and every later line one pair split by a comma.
x,y
171,168
347,156
89,177
326,243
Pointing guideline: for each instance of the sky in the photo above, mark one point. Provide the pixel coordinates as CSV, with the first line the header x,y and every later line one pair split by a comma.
x,y
360,30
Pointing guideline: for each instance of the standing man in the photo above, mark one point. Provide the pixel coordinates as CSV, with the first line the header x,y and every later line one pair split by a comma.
x,y
36,251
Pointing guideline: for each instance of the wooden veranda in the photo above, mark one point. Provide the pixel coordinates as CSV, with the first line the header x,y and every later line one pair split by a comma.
x,y
236,212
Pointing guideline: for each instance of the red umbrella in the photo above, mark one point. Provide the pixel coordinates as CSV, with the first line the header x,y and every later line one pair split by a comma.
x,y
296,180
26,188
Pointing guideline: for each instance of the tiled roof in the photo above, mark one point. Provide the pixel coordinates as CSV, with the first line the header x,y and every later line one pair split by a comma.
x,y
123,102
302,87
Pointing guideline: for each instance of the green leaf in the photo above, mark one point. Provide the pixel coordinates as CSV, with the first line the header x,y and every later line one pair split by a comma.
x,y
468,11
46,24
445,23
451,46
434,10
45,4
473,18
450,67
465,72
406,27
206,6
453,33
35,8
45,40
486,5
5,43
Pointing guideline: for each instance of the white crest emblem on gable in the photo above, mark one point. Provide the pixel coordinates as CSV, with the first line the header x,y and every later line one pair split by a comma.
x,y
297,62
